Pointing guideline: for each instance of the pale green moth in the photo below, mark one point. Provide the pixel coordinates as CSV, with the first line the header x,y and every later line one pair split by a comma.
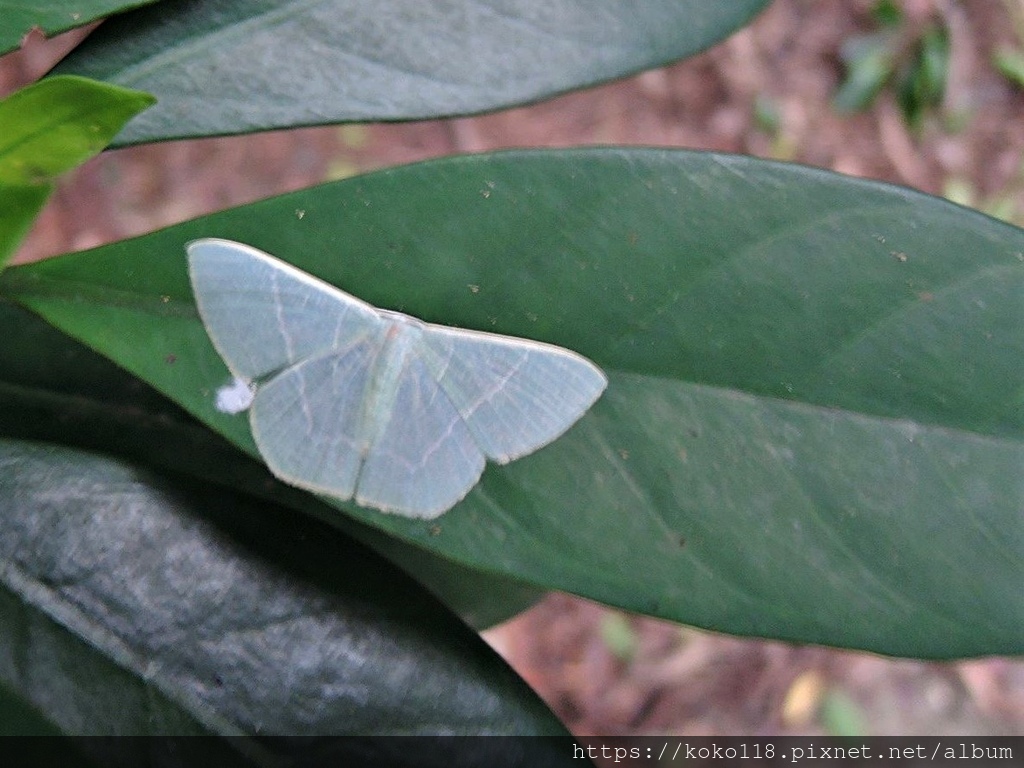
x,y
351,401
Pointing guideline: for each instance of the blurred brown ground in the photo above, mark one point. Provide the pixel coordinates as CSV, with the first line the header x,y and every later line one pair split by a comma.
x,y
601,671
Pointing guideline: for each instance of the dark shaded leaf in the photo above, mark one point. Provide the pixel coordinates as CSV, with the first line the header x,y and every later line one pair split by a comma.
x,y
236,66
136,604
19,17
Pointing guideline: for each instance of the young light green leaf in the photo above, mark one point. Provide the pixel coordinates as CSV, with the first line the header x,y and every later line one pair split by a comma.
x,y
46,129
355,402
51,126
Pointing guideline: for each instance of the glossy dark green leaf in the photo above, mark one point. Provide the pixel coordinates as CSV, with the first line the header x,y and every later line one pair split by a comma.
x,y
49,127
19,17
814,427
234,66
55,390
133,603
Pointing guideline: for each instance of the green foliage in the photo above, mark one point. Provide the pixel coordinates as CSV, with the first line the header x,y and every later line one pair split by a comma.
x,y
887,13
19,17
813,431
1010,62
914,63
1009,59
619,636
841,715
923,81
1006,203
869,66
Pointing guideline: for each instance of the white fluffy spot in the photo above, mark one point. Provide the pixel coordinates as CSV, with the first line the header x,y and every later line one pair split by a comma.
x,y
235,397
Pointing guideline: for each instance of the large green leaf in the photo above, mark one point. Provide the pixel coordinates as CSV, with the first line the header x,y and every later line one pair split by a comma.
x,y
133,603
814,427
19,17
233,66
55,390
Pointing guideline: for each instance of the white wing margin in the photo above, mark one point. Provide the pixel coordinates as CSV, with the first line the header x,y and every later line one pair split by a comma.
x,y
515,395
263,314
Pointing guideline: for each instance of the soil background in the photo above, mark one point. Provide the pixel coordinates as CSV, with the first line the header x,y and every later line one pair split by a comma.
x,y
766,91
